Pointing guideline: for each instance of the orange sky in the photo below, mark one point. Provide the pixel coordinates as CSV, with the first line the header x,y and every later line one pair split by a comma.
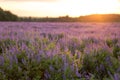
x,y
54,8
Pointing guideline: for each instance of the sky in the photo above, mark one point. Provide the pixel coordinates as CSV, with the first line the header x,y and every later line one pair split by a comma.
x,y
55,8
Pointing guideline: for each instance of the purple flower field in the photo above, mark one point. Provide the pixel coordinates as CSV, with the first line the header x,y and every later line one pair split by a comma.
x,y
59,51
100,31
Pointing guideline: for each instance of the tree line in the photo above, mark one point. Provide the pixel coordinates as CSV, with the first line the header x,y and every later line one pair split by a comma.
x,y
8,16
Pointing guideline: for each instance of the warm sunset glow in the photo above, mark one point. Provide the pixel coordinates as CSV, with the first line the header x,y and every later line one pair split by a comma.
x,y
53,8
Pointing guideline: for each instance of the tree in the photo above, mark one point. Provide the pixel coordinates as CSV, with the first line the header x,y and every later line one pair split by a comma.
x,y
7,16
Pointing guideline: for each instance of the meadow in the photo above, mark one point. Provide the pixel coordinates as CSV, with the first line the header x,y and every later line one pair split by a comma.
x,y
59,51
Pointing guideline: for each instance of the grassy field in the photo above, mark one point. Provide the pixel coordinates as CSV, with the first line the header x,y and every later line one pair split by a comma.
x,y
59,51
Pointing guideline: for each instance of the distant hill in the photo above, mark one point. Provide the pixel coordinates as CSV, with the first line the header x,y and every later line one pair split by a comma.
x,y
100,18
87,18
7,16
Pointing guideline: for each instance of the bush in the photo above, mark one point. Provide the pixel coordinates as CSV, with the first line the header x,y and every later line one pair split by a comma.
x,y
100,63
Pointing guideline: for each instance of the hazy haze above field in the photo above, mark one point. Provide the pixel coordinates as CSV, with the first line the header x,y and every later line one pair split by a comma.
x,y
54,8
